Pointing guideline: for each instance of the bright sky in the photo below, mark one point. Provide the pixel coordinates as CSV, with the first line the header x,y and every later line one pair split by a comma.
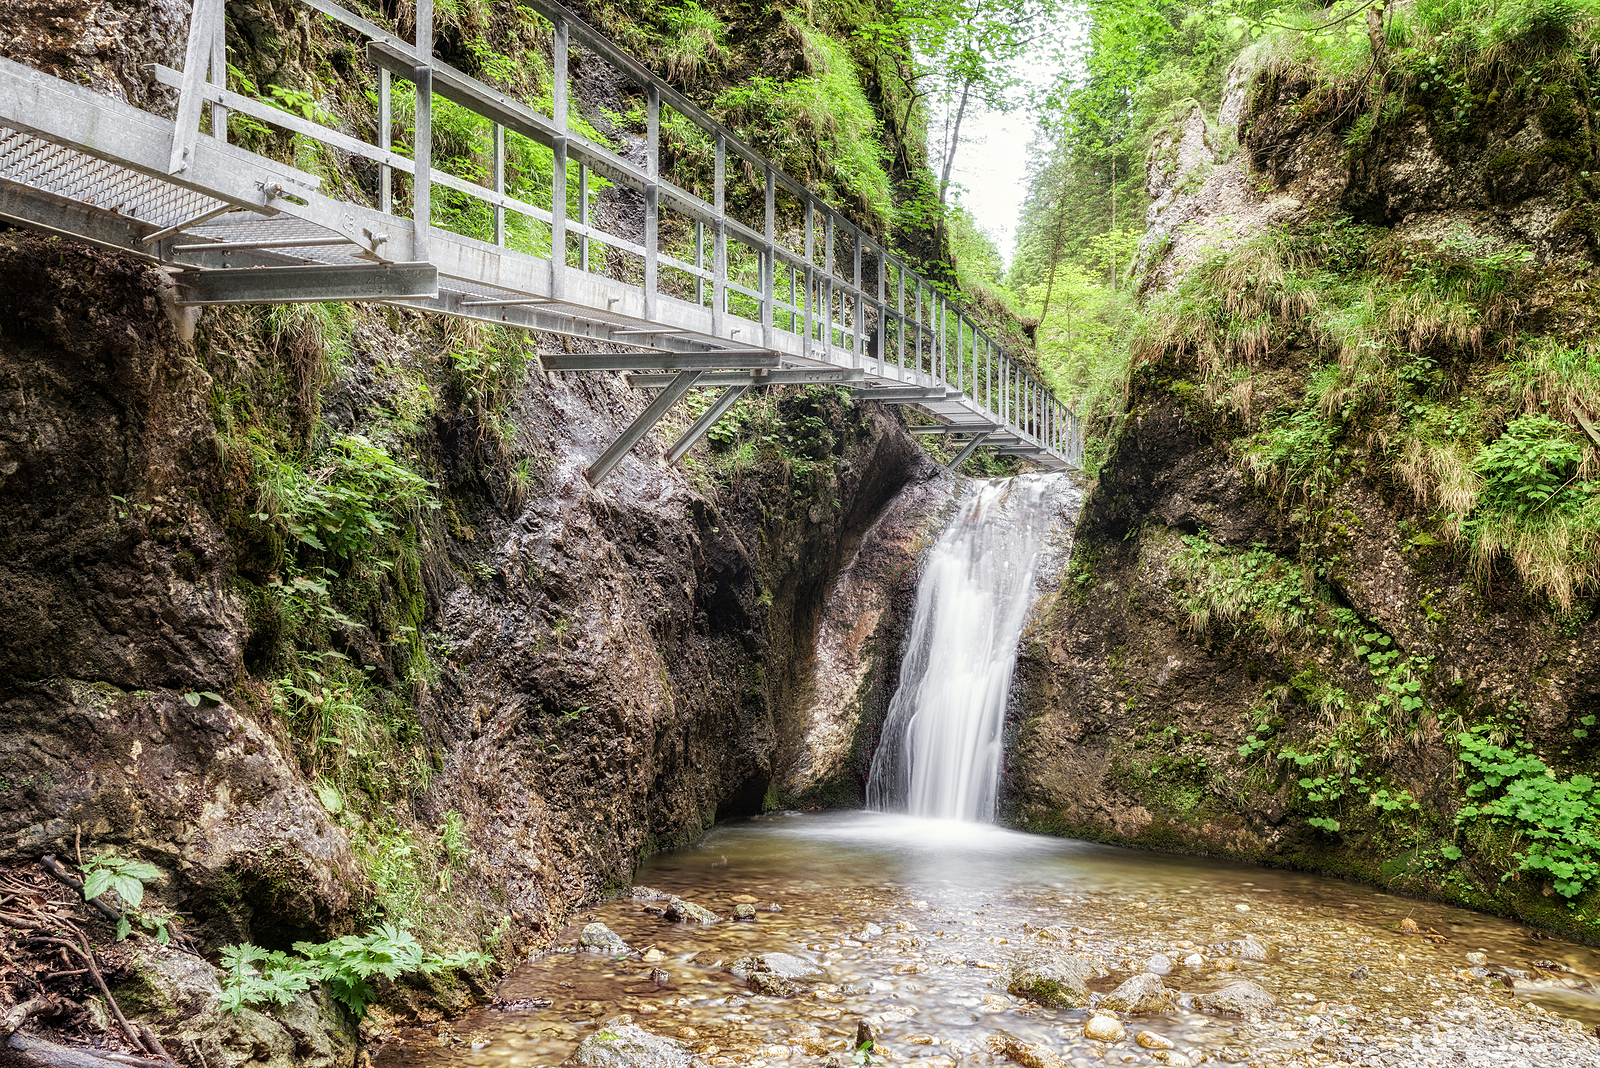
x,y
992,163
992,172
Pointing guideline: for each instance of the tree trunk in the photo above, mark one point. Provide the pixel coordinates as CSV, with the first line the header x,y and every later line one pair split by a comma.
x,y
955,139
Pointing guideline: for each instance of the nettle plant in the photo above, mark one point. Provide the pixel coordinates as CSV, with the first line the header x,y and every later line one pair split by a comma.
x,y
107,873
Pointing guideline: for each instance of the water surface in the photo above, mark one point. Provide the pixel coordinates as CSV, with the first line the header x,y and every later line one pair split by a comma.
x,y
915,921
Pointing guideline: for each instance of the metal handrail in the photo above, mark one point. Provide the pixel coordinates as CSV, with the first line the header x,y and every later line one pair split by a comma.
x,y
946,346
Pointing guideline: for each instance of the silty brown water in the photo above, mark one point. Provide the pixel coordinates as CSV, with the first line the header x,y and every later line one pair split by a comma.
x,y
916,922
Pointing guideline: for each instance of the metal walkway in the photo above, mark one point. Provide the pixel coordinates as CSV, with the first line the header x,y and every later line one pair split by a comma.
x,y
704,299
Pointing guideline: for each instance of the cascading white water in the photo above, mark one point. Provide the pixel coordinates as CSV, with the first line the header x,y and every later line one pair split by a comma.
x,y
940,752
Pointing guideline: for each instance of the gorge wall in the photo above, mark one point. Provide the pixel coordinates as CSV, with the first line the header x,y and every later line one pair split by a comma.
x,y
1331,604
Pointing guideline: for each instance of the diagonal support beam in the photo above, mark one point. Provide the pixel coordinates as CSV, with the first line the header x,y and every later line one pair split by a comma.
x,y
656,360
306,285
706,421
641,426
970,448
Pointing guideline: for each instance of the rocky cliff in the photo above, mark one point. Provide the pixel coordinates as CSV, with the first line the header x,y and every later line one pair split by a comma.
x,y
1331,604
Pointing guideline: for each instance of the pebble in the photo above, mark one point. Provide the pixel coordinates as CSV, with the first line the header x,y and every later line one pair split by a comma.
x,y
1159,963
1242,907
1194,962
1104,1029
1151,1040
653,955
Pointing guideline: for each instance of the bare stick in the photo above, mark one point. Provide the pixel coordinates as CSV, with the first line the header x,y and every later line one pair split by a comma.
x,y
62,876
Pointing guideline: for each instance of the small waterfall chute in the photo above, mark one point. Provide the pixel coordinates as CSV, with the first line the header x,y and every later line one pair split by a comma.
x,y
941,749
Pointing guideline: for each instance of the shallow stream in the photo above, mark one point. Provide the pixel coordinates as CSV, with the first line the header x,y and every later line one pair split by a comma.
x,y
915,923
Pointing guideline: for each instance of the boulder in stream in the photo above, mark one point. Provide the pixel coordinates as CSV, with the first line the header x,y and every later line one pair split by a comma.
x,y
1239,998
1140,995
785,964
602,939
681,911
620,1043
1054,980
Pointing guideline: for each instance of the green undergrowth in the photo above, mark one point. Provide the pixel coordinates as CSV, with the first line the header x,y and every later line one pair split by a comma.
x,y
1324,353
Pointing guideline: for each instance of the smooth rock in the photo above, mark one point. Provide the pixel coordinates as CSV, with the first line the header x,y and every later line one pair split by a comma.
x,y
1053,979
744,912
681,911
602,939
654,956
1478,960
1140,994
1151,1040
1173,1059
1104,1029
1194,962
772,985
1239,998
1159,963
622,1044
785,964
743,899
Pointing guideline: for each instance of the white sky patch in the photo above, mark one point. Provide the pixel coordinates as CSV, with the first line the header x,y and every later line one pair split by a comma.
x,y
990,176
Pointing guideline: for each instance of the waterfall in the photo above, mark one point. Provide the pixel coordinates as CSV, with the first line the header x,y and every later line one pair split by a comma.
x,y
941,747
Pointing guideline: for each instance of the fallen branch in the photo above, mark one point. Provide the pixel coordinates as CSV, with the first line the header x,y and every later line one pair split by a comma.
x,y
65,878
49,1055
19,1014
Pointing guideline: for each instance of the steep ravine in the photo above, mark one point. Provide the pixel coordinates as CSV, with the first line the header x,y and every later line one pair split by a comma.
x,y
1276,640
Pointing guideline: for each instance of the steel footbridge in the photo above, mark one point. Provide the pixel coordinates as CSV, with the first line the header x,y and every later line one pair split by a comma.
x,y
685,292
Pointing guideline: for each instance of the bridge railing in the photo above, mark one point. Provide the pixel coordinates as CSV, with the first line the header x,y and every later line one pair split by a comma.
x,y
852,301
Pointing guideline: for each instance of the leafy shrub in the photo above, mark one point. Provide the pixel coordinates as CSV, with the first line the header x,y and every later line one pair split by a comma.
x,y
1528,466
254,976
1558,818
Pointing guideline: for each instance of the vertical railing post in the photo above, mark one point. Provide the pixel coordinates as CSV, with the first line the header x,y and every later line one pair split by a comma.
x,y
422,140
219,74
900,314
385,130
699,262
583,219
860,315
883,326
652,197
558,174
719,237
500,184
811,256
959,322
769,260
827,281
197,58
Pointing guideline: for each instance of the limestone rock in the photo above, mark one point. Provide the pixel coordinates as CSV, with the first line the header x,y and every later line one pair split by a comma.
x,y
620,1043
1151,1040
681,911
744,912
1239,998
602,939
1104,1029
1053,979
1141,994
180,997
785,964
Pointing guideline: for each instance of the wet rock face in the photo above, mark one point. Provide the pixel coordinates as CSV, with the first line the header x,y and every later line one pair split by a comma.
x,y
117,602
102,44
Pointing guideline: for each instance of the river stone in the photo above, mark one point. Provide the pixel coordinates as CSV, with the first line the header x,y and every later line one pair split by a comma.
x,y
1151,1040
1027,1054
1159,964
1104,1029
786,965
1248,948
602,939
744,912
772,985
621,1044
645,893
1239,998
1140,994
1054,980
681,911
1194,962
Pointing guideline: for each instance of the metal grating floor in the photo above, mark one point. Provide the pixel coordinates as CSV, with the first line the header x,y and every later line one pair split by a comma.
x,y
72,175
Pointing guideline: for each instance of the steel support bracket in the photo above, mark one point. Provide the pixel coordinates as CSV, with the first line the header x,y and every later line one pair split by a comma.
x,y
640,427
309,285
